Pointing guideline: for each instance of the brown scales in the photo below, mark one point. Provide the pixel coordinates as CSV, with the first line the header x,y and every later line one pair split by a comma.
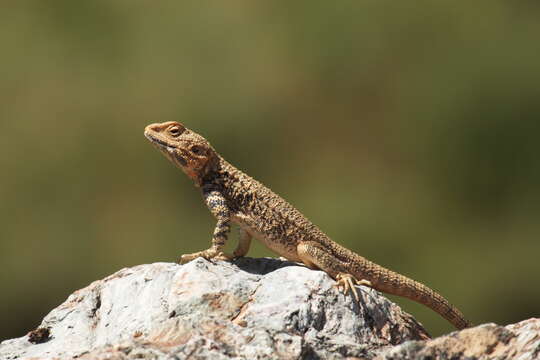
x,y
233,196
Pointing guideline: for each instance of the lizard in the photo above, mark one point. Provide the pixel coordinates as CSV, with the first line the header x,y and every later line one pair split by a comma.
x,y
234,197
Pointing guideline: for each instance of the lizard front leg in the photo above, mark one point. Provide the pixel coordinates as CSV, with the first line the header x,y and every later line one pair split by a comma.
x,y
219,208
315,256
244,241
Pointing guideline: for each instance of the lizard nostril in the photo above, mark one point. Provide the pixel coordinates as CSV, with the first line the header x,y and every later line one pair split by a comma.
x,y
151,127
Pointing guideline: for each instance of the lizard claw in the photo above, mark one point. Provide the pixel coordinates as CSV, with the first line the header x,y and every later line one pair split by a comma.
x,y
184,259
207,254
346,283
224,256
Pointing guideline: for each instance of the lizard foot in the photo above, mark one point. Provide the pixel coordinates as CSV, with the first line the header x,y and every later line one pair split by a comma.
x,y
238,254
208,254
346,282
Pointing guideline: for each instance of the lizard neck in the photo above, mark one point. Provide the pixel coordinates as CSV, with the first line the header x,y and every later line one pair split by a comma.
x,y
220,174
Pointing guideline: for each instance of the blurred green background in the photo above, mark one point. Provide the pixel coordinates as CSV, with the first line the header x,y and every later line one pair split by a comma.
x,y
408,132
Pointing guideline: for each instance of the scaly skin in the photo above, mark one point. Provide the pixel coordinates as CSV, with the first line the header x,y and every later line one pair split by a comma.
x,y
233,196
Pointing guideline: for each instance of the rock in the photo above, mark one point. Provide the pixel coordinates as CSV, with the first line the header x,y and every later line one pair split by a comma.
x,y
519,341
249,309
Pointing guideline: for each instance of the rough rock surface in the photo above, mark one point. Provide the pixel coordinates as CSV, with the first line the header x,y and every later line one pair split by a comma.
x,y
519,341
249,309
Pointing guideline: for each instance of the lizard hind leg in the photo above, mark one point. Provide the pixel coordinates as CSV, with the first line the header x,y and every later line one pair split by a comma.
x,y
315,256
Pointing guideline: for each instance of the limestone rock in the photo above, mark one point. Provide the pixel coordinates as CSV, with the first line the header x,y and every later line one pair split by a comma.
x,y
248,309
519,341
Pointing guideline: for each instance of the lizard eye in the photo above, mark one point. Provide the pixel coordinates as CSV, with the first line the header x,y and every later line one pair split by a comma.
x,y
197,150
175,131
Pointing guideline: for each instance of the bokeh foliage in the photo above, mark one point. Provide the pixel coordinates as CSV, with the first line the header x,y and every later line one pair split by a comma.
x,y
409,132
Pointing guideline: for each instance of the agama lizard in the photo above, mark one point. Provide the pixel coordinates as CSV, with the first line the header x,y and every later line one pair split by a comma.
x,y
233,196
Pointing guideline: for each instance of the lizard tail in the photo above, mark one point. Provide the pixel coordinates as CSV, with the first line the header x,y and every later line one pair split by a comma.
x,y
390,282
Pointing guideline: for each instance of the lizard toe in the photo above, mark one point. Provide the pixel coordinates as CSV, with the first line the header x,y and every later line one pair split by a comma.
x,y
346,284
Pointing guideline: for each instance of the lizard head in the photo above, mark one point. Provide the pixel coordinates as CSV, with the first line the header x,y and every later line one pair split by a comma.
x,y
186,149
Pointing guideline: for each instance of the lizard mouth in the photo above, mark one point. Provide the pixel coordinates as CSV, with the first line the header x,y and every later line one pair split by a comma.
x,y
169,149
157,141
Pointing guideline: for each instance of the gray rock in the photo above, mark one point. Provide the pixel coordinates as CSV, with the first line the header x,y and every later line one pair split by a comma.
x,y
519,341
249,309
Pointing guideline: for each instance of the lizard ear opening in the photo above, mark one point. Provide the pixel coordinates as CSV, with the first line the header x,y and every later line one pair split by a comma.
x,y
197,150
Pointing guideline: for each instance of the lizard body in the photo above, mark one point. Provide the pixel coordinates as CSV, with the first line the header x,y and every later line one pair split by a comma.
x,y
233,196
